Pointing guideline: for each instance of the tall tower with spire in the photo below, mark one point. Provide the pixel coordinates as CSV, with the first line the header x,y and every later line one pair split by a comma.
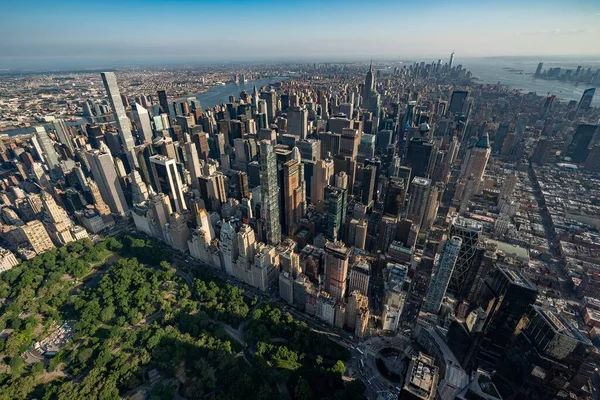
x,y
369,85
255,97
451,62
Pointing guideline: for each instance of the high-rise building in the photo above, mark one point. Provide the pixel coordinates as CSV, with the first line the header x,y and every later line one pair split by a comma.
x,y
105,174
163,102
46,150
114,96
63,134
360,273
545,357
369,85
144,126
337,256
475,162
269,190
37,236
586,99
56,220
271,102
298,122
336,204
166,179
419,157
458,103
349,142
469,231
506,296
508,186
368,184
538,70
228,246
420,190
542,151
579,147
193,164
441,279
292,196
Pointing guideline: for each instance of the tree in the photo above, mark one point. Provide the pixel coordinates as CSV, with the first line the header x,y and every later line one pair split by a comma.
x,y
339,367
302,390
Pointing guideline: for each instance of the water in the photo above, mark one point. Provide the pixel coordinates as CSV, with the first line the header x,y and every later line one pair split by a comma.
x,y
220,94
491,71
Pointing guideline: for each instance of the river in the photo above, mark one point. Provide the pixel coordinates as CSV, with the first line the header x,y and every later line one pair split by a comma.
x,y
491,71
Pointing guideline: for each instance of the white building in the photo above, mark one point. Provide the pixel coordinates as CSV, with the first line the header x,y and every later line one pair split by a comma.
x,y
7,260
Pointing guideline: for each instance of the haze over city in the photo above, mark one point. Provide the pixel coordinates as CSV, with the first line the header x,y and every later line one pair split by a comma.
x,y
54,34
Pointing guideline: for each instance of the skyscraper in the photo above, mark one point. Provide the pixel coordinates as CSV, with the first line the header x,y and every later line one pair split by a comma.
x,y
420,189
166,179
298,122
322,177
45,147
586,99
469,231
193,164
269,189
114,96
506,297
143,124
336,204
369,85
476,161
292,196
439,282
458,103
103,170
63,134
271,98
579,147
337,256
451,61
164,103
419,157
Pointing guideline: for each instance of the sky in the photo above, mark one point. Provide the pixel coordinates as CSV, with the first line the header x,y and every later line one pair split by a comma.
x,y
99,33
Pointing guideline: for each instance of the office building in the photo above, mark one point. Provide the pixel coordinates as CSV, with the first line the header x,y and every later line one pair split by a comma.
x,y
420,190
163,102
545,357
506,297
475,162
419,157
105,174
578,149
469,231
297,122
336,203
586,100
441,279
322,177
458,103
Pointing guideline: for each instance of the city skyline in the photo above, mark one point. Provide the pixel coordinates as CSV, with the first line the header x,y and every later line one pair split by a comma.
x,y
117,33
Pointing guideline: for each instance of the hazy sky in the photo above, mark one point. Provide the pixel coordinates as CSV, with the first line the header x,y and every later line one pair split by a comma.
x,y
35,33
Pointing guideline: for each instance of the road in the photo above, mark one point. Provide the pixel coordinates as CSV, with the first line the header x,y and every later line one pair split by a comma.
x,y
557,262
